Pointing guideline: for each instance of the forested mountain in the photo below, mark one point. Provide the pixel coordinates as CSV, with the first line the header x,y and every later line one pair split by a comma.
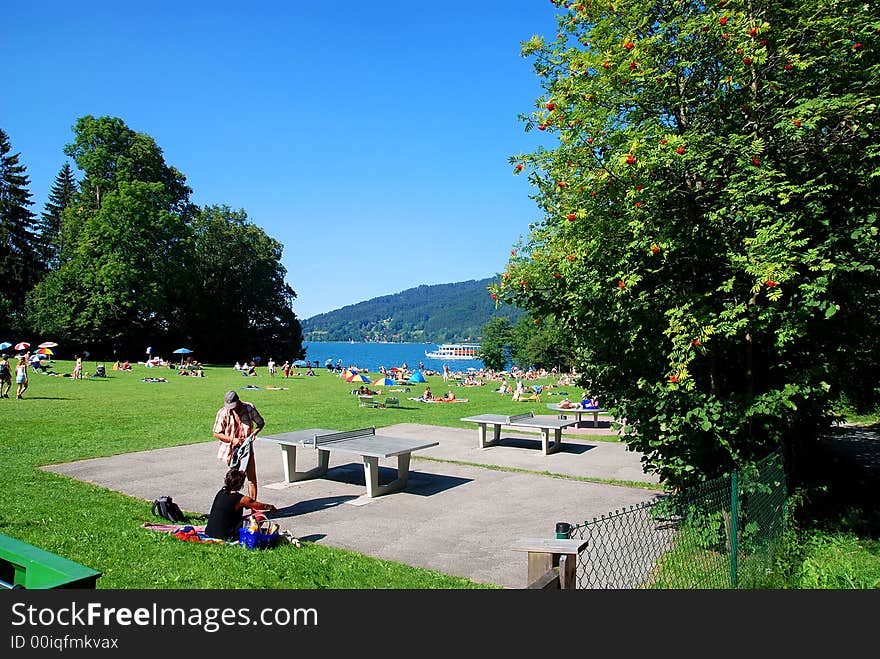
x,y
440,313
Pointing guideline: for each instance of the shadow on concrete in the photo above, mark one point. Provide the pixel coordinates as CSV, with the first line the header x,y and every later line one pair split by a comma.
x,y
311,505
418,482
535,444
588,423
313,537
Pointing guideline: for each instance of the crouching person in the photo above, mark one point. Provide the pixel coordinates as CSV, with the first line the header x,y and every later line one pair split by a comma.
x,y
227,511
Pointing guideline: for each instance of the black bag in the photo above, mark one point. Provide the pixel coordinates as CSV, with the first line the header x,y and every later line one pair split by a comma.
x,y
165,507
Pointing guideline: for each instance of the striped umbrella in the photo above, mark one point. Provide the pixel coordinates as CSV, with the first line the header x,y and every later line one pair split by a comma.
x,y
48,344
45,351
358,377
384,382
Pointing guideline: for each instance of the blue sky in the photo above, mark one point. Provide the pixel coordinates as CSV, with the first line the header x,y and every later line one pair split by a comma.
x,y
370,138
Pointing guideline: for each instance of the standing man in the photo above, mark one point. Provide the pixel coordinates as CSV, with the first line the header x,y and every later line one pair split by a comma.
x,y
5,377
237,423
271,366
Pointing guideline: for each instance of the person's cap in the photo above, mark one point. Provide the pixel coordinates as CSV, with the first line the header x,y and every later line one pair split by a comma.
x,y
231,400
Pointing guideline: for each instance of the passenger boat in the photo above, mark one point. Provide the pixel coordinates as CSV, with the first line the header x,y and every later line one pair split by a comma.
x,y
455,351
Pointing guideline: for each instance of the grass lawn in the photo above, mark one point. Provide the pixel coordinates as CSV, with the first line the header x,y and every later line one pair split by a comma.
x,y
61,420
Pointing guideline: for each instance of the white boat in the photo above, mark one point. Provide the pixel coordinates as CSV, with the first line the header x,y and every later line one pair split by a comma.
x,y
453,351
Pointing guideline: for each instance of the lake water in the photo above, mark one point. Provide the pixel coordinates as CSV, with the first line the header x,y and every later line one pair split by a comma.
x,y
373,355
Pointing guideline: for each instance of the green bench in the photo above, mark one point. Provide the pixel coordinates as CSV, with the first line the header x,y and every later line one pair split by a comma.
x,y
25,566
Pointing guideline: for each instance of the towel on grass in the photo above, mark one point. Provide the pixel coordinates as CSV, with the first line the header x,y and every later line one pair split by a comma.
x,y
185,532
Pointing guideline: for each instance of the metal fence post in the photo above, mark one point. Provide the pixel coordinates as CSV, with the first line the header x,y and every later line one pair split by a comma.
x,y
734,514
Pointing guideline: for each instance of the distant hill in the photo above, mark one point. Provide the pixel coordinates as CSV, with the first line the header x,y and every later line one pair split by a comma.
x,y
439,313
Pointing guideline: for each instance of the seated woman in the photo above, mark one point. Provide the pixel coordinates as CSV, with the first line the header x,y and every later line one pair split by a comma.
x,y
428,395
227,510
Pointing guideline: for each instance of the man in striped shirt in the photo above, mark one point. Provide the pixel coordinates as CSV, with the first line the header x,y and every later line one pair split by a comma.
x,y
238,422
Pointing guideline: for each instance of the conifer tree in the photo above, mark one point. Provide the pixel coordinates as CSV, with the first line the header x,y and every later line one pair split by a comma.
x,y
17,260
49,226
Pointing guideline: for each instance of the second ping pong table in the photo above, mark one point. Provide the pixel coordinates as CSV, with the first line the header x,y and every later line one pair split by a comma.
x,y
363,442
526,420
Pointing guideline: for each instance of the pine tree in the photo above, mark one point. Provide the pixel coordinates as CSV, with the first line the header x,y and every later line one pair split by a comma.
x,y
17,261
49,226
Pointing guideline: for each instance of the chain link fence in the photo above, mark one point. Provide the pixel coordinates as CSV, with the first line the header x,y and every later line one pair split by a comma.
x,y
720,534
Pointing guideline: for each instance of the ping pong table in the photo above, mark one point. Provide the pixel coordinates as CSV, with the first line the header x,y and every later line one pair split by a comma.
x,y
526,420
578,412
363,442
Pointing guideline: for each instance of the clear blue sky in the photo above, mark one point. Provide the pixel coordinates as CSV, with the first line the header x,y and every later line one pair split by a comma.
x,y
370,138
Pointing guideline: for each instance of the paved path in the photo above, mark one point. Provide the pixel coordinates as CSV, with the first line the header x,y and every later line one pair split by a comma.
x,y
459,519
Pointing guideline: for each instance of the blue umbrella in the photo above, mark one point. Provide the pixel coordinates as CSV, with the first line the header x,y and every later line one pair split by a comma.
x,y
4,345
182,351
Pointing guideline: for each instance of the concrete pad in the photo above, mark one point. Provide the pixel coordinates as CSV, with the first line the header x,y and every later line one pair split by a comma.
x,y
459,519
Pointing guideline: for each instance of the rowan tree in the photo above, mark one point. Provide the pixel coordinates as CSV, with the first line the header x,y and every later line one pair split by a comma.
x,y
709,237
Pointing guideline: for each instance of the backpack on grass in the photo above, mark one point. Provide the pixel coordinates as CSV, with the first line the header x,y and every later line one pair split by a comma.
x,y
166,508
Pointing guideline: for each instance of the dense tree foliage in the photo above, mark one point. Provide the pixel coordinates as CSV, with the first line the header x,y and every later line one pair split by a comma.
x,y
238,302
530,343
121,269
19,265
710,231
135,263
439,313
537,343
495,347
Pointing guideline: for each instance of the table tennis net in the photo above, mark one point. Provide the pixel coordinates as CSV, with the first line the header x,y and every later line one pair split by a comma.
x,y
329,438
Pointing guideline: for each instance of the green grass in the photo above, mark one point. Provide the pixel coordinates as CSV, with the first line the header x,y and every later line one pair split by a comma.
x,y
61,420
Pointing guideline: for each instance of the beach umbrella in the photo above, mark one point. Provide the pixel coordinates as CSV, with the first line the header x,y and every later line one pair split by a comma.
x,y
358,377
4,345
22,346
416,377
182,351
345,374
45,351
384,382
48,344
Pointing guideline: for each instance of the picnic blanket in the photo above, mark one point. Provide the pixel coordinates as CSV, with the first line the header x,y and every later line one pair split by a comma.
x,y
186,532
